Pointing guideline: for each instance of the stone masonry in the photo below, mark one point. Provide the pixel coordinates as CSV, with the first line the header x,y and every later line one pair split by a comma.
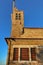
x,y
22,37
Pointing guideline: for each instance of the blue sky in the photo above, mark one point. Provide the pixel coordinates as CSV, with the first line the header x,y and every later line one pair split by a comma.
x,y
33,17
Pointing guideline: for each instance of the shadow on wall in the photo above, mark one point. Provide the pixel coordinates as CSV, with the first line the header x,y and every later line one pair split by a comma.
x,y
40,54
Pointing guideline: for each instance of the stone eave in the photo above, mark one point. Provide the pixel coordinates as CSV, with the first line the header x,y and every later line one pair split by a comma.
x,y
8,39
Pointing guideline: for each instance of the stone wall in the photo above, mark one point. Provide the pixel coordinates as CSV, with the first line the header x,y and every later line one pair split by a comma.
x,y
33,33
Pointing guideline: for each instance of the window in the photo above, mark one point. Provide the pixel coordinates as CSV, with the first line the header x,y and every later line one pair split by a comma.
x,y
24,54
33,54
16,16
19,16
15,55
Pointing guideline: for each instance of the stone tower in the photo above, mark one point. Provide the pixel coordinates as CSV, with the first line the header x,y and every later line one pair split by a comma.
x,y
17,22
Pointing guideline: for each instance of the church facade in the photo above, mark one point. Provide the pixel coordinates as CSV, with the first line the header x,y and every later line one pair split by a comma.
x,y
24,43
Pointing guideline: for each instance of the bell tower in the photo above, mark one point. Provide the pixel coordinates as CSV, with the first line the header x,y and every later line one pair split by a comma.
x,y
17,17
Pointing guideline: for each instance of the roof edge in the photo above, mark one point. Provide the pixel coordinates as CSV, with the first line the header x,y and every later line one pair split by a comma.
x,y
25,38
33,28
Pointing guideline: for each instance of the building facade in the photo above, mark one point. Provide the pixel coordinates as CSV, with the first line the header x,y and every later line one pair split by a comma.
x,y
24,43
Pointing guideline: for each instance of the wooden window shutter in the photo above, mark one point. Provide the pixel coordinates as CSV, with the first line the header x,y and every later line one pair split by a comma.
x,y
15,55
24,54
33,54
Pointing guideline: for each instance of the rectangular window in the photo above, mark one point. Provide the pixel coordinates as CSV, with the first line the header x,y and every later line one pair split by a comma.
x,y
16,16
33,54
24,54
19,16
15,55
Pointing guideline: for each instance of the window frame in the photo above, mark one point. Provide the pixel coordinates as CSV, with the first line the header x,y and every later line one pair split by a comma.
x,y
18,16
14,54
33,54
21,57
23,46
